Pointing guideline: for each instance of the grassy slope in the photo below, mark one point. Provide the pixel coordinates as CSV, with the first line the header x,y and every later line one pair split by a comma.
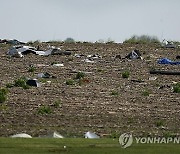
x,y
87,146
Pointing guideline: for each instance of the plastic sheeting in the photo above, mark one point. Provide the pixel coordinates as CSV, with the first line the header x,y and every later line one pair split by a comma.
x,y
57,135
91,135
33,83
135,54
23,50
23,135
168,61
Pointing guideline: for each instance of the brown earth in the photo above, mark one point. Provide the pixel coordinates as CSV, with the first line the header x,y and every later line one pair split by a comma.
x,y
91,106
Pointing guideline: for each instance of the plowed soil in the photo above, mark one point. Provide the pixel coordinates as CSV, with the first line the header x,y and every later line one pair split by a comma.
x,y
103,102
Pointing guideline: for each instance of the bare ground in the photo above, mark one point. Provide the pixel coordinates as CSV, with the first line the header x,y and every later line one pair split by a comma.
x,y
91,105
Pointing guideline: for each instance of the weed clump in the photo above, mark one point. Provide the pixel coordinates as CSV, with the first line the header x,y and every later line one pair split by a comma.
x,y
126,74
44,110
57,103
114,93
3,95
70,82
32,69
21,82
80,75
146,92
176,88
159,123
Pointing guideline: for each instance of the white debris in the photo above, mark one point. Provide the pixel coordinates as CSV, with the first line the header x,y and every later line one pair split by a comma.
x,y
88,61
78,55
23,135
95,56
91,135
21,49
58,65
57,135
153,78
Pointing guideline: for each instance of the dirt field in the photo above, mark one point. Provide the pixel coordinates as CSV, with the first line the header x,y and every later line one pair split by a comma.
x,y
102,102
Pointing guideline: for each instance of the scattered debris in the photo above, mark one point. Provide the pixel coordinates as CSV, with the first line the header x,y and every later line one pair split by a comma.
x,y
168,61
55,135
91,135
153,78
24,50
164,86
58,65
139,81
88,61
118,57
177,57
95,56
33,83
135,54
58,51
44,75
12,42
164,72
23,135
52,135
41,65
79,55
168,44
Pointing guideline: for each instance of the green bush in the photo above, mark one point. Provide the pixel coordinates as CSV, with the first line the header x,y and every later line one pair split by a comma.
x,y
4,91
159,123
125,74
70,82
146,93
32,69
9,85
69,40
57,103
80,75
143,39
176,88
21,82
44,110
114,93
3,95
2,98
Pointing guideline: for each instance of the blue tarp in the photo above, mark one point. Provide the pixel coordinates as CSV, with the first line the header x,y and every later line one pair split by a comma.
x,y
168,61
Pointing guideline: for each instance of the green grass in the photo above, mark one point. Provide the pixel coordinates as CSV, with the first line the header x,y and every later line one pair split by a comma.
x,y
114,93
32,69
176,88
125,74
70,82
78,146
21,82
44,110
57,103
146,92
3,95
80,75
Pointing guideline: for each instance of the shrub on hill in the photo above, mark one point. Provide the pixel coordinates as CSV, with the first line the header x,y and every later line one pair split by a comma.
x,y
143,39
